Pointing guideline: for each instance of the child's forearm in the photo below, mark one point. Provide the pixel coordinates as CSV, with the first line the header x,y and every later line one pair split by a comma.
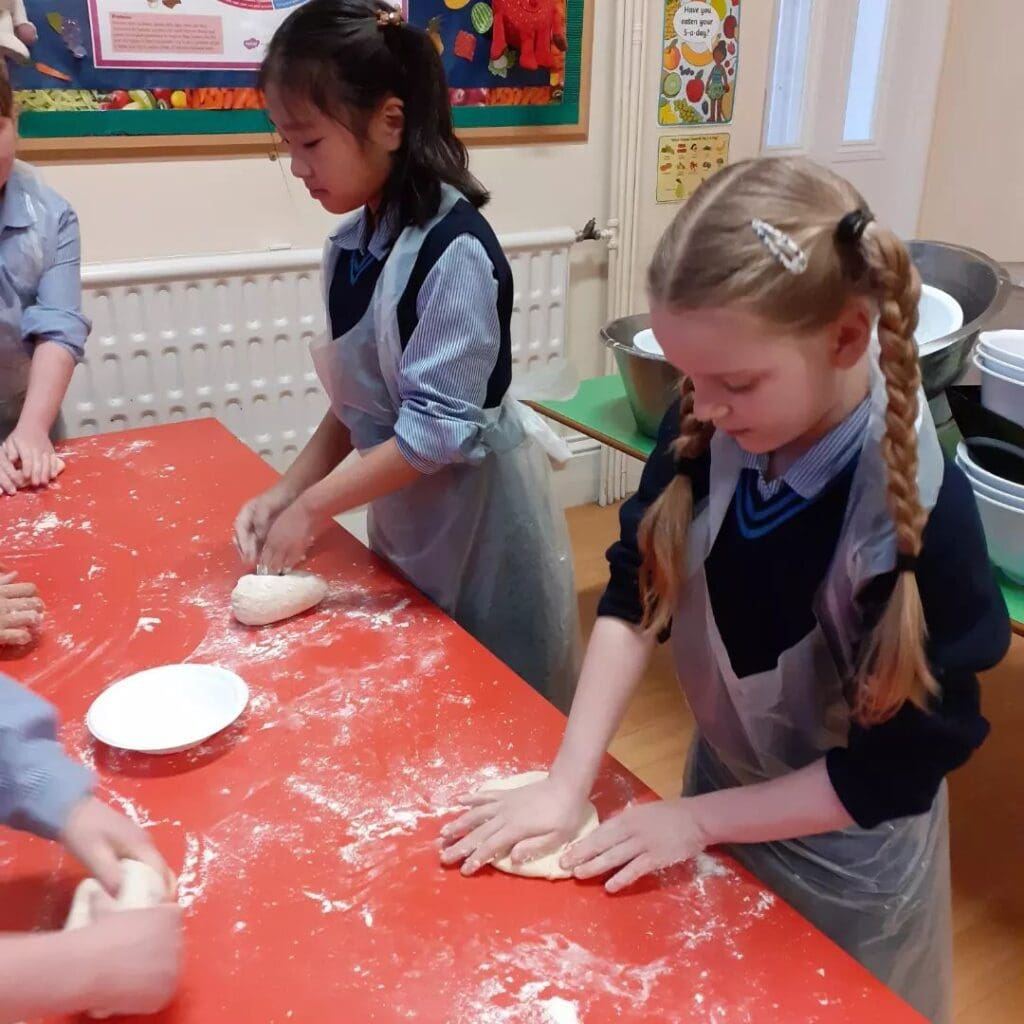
x,y
330,444
44,974
381,471
52,367
616,657
802,803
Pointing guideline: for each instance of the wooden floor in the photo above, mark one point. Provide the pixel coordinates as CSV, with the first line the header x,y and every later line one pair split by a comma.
x,y
987,799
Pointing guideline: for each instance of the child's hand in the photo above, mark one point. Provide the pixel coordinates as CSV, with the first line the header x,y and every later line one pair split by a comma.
x,y
289,539
32,450
530,822
21,610
255,520
643,838
11,477
100,838
136,957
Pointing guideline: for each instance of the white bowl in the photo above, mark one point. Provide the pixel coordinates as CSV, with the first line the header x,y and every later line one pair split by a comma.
x,y
1001,394
167,709
979,487
1005,345
645,341
1004,535
975,472
997,365
938,314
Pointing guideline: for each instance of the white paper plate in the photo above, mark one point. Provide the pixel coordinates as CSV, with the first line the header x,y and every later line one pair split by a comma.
x,y
167,709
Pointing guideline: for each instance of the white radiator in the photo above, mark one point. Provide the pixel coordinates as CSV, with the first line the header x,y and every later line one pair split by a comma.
x,y
228,336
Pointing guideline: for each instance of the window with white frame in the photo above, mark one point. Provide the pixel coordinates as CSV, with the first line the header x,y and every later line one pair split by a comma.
x,y
865,70
785,114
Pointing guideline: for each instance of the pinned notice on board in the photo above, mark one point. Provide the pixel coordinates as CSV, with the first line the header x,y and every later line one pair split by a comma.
x,y
685,161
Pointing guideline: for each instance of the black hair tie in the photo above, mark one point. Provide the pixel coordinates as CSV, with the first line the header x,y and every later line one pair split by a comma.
x,y
851,228
389,19
906,563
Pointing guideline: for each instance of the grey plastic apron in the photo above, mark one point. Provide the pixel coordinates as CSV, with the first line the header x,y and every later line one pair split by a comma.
x,y
483,539
883,894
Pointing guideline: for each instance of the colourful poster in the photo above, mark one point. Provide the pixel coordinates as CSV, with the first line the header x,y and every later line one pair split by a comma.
x,y
700,59
123,58
685,161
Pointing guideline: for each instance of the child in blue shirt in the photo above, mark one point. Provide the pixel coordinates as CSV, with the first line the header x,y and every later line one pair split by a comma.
x,y
124,963
42,328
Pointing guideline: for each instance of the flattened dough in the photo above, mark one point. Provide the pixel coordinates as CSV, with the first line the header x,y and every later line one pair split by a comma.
x,y
141,887
260,600
546,866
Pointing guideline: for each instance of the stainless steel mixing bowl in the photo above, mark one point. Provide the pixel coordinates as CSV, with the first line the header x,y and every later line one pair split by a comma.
x,y
978,283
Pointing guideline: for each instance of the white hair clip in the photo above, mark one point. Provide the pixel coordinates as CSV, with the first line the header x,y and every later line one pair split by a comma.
x,y
781,246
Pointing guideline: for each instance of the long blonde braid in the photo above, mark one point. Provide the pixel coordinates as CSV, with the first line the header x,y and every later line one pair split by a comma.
x,y
894,667
662,534
711,258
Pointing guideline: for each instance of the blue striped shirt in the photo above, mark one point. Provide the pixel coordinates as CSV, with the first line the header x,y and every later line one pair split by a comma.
x,y
40,271
447,363
39,783
820,464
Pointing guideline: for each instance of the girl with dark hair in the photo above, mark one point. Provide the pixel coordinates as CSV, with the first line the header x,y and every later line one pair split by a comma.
x,y
418,360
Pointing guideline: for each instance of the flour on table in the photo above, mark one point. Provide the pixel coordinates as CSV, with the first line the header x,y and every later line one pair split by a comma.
x,y
547,866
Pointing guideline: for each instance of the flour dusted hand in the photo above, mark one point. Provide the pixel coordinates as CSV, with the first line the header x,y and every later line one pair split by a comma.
x,y
149,986
101,839
21,610
260,600
135,956
643,839
255,519
523,825
32,452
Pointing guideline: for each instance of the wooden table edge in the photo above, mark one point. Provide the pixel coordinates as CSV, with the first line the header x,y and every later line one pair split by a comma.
x,y
588,431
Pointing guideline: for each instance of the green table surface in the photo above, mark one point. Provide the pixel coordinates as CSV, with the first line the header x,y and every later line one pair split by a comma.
x,y
600,410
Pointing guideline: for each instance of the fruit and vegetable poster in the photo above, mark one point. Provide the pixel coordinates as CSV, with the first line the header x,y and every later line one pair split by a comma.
x,y
700,58
159,69
685,161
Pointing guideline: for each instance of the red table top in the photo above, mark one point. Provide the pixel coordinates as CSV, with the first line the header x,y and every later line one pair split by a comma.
x,y
306,836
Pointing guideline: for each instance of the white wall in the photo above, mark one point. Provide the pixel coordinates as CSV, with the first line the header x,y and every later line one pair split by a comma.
x,y
138,209
756,25
973,192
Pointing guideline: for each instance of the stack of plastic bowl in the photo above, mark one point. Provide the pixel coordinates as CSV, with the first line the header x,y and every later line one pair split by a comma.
x,y
1000,358
995,470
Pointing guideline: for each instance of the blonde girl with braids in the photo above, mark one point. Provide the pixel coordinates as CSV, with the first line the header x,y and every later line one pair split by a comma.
x,y
820,572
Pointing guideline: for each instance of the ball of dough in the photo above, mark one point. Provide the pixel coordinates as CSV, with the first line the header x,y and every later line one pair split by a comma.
x,y
260,600
547,866
141,887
